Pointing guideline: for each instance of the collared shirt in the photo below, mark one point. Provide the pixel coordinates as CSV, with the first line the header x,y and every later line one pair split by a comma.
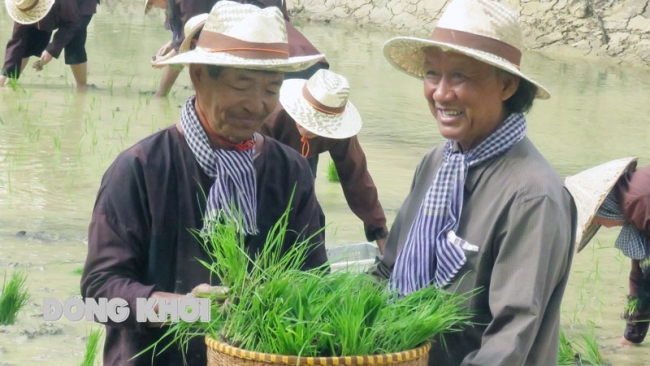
x,y
634,196
521,221
141,240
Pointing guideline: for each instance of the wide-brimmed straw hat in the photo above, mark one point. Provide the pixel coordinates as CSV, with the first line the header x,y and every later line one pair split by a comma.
x,y
589,189
28,11
482,29
192,27
321,105
244,36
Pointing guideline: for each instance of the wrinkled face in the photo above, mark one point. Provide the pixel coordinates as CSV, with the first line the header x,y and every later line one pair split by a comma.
x,y
465,95
305,133
237,101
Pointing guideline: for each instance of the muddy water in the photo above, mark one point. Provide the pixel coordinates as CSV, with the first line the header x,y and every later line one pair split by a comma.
x,y
55,145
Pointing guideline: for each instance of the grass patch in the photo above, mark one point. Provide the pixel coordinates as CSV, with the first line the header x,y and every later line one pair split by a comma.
x,y
92,347
332,173
13,298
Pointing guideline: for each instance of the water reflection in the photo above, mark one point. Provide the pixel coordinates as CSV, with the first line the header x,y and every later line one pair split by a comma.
x,y
55,145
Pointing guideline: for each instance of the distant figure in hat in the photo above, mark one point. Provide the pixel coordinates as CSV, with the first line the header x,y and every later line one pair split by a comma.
x,y
316,116
179,12
615,194
141,241
35,20
486,212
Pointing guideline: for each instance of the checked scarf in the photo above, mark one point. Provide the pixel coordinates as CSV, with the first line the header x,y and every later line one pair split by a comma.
x,y
428,257
234,186
633,243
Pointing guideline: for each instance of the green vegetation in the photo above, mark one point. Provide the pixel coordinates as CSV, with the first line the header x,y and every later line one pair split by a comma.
x,y
275,307
92,347
78,271
13,298
332,173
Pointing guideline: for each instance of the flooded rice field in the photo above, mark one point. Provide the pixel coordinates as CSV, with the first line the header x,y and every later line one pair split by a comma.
x,y
55,144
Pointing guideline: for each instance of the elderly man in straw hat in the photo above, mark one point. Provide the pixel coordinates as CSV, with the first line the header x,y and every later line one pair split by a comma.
x,y
151,199
35,20
317,117
486,214
618,194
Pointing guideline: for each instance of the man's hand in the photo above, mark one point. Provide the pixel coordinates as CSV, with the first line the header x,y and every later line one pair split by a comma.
x,y
155,60
165,49
381,243
217,293
44,60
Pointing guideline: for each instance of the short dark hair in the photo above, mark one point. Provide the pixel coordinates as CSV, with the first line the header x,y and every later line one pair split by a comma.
x,y
522,100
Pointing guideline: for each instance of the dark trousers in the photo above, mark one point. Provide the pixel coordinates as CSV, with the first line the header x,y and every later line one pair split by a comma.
x,y
638,319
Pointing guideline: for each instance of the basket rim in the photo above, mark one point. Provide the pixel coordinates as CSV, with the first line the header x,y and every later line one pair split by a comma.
x,y
385,359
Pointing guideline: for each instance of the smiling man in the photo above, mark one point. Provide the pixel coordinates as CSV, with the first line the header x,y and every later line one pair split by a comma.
x,y
140,242
486,212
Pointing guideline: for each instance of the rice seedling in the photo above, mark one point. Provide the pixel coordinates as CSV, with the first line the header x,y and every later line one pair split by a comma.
x,y
277,307
110,86
332,173
57,142
92,347
590,352
130,80
78,271
13,298
567,354
14,84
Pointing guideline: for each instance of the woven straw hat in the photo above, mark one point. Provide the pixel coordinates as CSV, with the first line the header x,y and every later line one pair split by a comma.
x,y
28,11
192,27
589,189
482,29
320,105
244,36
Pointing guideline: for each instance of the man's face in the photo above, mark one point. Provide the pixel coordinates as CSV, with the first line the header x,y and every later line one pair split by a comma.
x,y
465,95
237,102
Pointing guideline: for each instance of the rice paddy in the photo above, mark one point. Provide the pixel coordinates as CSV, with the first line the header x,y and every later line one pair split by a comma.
x,y
55,145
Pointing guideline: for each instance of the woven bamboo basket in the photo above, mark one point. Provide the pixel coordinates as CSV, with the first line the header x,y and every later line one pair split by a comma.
x,y
223,354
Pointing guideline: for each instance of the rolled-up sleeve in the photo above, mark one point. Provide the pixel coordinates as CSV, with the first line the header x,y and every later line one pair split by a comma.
x,y
358,187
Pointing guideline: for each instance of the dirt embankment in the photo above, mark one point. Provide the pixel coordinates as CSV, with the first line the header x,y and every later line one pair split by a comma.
x,y
618,30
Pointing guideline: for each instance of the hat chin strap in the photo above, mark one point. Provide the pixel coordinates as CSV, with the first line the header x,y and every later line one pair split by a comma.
x,y
242,146
479,43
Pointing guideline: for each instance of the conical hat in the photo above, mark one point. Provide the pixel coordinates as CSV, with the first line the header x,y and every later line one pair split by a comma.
x,y
589,189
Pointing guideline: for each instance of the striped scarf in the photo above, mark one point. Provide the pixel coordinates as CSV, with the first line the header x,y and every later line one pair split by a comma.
x,y
428,257
234,189
630,241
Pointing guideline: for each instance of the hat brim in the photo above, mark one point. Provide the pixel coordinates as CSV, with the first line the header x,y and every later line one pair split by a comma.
x,y
187,42
589,189
201,56
334,126
407,55
33,15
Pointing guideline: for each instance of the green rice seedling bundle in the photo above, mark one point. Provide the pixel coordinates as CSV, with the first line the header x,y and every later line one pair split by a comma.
x,y
332,173
276,307
13,298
